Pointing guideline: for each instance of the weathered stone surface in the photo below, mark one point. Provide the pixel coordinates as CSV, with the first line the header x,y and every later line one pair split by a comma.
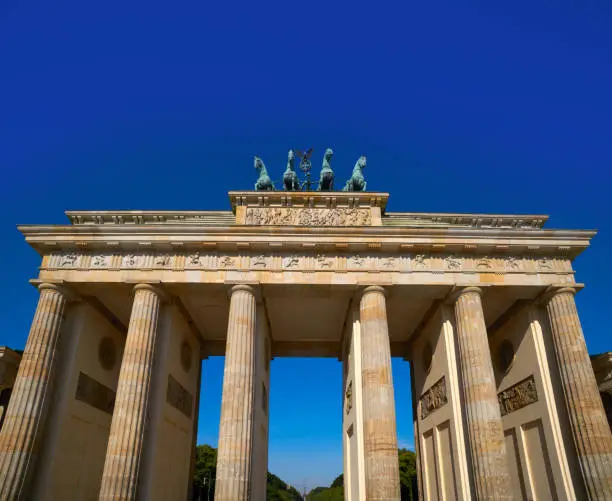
x,y
482,414
94,393
233,481
308,217
314,252
518,396
434,398
132,406
26,416
590,429
380,435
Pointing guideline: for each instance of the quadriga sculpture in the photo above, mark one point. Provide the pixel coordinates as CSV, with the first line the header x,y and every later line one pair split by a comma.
x,y
357,182
326,180
290,178
264,182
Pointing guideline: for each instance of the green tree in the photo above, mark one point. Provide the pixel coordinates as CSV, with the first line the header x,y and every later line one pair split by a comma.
x,y
408,472
339,481
205,473
277,490
326,494
280,491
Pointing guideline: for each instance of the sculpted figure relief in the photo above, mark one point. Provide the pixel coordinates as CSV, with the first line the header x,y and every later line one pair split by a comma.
x,y
280,216
320,261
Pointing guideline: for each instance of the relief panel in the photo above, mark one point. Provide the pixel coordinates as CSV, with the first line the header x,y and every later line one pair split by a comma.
x,y
434,398
518,396
294,216
94,393
313,261
179,397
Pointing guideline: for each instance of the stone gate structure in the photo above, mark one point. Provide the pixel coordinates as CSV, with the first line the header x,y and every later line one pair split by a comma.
x,y
105,403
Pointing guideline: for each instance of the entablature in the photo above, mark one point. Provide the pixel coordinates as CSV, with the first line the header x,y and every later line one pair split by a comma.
x,y
569,243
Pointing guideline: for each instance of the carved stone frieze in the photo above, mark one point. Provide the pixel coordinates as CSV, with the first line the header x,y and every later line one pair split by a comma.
x,y
348,398
325,261
179,397
421,261
94,393
518,396
434,398
294,216
291,262
100,261
260,261
311,261
163,260
453,263
133,261
357,261
69,260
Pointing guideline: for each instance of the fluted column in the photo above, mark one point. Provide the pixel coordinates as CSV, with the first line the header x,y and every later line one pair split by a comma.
x,y
26,415
587,417
234,457
125,443
380,435
482,414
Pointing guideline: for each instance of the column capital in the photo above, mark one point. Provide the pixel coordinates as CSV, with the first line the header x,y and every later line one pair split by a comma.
x,y
152,288
554,290
66,292
252,289
374,289
460,290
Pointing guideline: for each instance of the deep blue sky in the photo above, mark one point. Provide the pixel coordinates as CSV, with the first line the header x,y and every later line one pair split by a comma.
x,y
488,106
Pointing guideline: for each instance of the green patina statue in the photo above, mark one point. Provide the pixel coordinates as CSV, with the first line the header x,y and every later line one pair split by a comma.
x,y
263,183
326,180
357,182
291,181
290,178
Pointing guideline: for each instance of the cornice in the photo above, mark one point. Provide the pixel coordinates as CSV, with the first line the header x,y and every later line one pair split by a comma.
x,y
515,221
391,239
227,218
279,231
308,199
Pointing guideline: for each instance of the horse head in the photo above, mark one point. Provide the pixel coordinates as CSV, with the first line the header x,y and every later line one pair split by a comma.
x,y
361,163
290,159
329,153
258,163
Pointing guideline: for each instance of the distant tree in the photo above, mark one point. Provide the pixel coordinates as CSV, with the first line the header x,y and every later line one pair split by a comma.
x,y
339,481
280,491
326,494
408,473
205,473
277,490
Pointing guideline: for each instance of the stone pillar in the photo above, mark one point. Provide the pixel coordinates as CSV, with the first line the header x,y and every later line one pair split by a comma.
x,y
588,420
234,482
482,414
380,435
132,404
26,416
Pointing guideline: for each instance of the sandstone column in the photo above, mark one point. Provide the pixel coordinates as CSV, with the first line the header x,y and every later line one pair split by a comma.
x,y
26,415
380,435
234,466
125,443
589,425
482,415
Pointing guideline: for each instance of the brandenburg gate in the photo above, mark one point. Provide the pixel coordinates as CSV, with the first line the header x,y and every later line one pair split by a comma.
x,y
505,403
